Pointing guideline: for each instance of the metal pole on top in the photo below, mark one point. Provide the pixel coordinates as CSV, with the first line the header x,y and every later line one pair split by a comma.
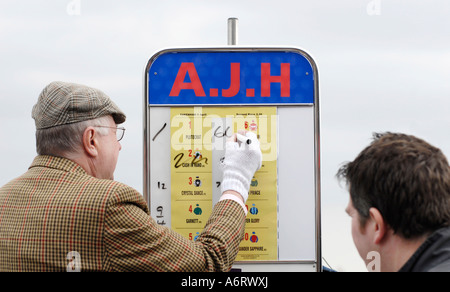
x,y
233,31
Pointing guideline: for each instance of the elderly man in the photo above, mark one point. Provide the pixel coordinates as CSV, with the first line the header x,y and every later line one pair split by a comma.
x,y
400,205
67,212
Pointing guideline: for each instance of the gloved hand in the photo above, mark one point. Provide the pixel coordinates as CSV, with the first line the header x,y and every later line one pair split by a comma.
x,y
240,163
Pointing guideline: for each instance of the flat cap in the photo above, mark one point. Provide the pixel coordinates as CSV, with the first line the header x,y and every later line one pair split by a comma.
x,y
62,103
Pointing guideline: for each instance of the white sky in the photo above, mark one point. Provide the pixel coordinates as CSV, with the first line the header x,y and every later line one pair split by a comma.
x,y
384,72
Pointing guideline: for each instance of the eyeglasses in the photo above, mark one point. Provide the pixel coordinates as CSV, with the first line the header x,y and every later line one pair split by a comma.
x,y
120,131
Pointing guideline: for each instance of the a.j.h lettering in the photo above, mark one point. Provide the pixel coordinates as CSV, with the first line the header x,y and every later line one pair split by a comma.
x,y
194,83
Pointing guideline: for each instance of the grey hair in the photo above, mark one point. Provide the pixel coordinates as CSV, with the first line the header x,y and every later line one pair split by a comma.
x,y
65,139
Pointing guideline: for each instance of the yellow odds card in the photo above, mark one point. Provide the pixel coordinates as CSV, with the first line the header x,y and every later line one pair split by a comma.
x,y
198,136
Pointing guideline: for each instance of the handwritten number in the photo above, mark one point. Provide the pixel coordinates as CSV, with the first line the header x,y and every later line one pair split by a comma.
x,y
221,134
157,134
162,186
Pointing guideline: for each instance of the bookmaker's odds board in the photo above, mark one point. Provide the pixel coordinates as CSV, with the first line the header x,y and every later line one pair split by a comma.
x,y
194,99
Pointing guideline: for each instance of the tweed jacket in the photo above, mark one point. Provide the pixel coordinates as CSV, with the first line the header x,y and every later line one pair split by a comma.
x,y
57,218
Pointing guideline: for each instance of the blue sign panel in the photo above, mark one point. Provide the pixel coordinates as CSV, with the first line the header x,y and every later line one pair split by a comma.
x,y
230,78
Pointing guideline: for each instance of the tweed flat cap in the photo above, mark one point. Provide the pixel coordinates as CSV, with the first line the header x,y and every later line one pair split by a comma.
x,y
63,103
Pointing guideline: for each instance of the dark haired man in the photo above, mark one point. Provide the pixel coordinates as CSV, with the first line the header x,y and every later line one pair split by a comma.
x,y
400,204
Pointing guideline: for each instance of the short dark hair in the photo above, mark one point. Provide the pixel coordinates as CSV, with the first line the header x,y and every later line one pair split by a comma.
x,y
406,179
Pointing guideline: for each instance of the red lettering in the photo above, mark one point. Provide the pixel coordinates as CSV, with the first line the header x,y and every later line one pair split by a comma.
x,y
284,79
195,84
250,92
235,81
214,92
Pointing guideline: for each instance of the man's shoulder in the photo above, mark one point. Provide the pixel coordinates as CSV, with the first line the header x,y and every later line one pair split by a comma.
x,y
441,268
121,189
433,255
71,179
122,193
68,172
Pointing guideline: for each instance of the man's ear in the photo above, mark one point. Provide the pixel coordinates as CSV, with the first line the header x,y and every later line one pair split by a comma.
x,y
379,225
90,144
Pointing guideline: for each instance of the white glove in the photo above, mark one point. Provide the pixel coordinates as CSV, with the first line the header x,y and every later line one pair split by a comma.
x,y
240,163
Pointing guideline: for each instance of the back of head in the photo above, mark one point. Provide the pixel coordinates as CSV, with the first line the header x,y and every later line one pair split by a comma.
x,y
406,179
64,110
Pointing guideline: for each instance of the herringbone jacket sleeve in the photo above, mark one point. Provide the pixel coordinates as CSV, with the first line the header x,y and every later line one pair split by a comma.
x,y
135,242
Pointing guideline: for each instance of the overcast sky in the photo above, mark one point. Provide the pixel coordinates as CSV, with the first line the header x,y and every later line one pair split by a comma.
x,y
384,65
